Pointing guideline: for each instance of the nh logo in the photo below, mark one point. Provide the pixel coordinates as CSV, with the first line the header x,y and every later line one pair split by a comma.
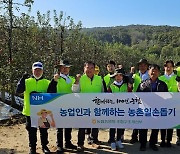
x,y
37,98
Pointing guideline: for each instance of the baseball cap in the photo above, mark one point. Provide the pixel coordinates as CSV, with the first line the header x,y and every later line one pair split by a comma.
x,y
37,65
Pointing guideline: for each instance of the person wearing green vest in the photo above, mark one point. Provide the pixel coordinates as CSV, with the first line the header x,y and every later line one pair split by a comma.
x,y
88,130
178,84
138,77
97,70
141,75
62,83
170,79
119,85
111,69
88,83
28,85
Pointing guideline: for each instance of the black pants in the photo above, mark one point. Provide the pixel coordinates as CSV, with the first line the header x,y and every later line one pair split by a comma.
x,y
88,131
166,134
178,132
135,134
67,135
118,133
32,133
143,136
81,135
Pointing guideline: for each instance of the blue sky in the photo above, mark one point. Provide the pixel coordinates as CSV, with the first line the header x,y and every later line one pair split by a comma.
x,y
105,13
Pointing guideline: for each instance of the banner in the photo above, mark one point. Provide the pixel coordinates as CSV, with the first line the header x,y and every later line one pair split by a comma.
x,y
154,110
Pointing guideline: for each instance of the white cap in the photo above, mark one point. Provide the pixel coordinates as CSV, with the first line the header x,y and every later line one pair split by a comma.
x,y
37,65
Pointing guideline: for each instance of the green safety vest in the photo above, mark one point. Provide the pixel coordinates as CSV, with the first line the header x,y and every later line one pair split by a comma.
x,y
108,80
116,89
90,86
137,81
33,85
63,86
171,83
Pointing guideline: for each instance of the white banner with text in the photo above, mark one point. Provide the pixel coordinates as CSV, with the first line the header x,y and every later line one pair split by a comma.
x,y
154,110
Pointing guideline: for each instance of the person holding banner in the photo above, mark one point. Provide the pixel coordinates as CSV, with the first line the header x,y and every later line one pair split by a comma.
x,y
62,83
142,75
170,79
117,86
178,84
88,130
151,85
88,83
34,84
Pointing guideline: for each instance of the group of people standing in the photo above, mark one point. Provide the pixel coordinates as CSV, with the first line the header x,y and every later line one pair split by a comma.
x,y
146,79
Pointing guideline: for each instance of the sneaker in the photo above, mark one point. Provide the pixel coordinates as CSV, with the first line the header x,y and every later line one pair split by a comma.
x,y
113,146
80,148
178,141
60,150
153,147
163,144
119,144
132,141
46,150
70,146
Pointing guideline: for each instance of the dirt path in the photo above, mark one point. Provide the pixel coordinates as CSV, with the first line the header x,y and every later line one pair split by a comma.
x,y
14,139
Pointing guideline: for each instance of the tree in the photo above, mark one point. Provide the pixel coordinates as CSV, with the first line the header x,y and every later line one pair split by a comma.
x,y
7,5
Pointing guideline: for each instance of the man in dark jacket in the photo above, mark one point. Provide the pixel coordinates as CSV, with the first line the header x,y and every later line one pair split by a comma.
x,y
35,84
62,83
137,78
151,85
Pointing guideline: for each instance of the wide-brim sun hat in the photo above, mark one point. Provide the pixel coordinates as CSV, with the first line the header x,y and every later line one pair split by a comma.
x,y
43,110
118,71
63,63
142,61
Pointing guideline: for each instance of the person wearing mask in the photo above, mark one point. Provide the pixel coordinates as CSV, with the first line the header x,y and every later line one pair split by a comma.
x,y
62,83
88,83
35,84
138,77
151,85
118,86
170,79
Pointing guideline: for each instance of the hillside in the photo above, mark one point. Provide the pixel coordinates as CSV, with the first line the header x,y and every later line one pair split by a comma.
x,y
134,34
